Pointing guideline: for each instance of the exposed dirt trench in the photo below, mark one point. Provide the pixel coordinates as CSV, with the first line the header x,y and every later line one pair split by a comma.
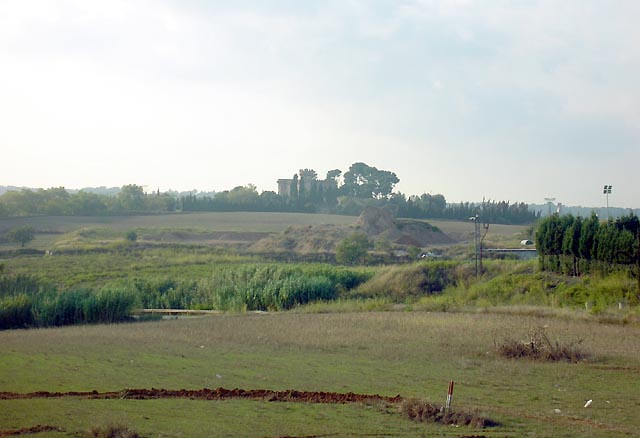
x,y
212,394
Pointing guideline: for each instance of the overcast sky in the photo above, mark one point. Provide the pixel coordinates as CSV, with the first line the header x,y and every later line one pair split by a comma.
x,y
508,100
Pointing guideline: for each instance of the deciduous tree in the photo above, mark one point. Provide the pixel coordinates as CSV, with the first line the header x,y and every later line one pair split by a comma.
x,y
21,235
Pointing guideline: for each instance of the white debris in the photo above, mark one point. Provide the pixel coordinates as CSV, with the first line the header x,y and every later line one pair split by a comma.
x,y
588,403
557,411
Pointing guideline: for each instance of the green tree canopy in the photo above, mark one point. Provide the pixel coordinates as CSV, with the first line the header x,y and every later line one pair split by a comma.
x,y
364,181
21,235
353,249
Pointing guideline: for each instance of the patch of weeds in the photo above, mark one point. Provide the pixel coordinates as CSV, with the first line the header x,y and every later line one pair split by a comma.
x,y
422,411
110,431
540,347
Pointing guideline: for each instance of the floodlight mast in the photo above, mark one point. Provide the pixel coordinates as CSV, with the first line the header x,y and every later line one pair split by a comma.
x,y
607,191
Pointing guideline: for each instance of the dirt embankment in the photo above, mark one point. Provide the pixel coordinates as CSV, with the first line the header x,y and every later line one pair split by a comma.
x,y
377,223
212,394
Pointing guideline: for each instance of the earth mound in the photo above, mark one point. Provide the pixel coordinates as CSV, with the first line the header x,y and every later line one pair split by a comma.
x,y
374,221
377,223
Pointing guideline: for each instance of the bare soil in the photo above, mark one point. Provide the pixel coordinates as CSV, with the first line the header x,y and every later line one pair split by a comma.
x,y
29,430
213,394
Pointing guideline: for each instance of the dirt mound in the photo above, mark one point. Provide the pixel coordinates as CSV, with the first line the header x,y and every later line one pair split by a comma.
x,y
29,430
415,233
304,239
377,223
415,410
374,220
289,395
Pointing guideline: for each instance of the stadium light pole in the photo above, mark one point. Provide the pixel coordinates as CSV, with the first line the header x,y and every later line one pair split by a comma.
x,y
607,191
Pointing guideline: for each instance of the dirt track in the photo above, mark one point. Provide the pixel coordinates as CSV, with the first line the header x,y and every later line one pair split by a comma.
x,y
213,394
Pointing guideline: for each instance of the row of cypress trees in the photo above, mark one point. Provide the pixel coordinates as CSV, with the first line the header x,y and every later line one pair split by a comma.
x,y
573,245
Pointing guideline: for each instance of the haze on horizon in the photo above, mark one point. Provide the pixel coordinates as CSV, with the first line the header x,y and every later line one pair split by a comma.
x,y
514,101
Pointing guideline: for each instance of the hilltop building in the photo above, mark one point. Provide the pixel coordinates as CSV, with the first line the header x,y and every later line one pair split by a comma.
x,y
305,182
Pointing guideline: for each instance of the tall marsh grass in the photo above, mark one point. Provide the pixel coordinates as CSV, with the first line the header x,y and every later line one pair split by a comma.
x,y
28,302
36,304
251,287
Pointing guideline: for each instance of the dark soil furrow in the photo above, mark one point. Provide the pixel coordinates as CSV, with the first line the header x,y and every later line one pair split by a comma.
x,y
212,394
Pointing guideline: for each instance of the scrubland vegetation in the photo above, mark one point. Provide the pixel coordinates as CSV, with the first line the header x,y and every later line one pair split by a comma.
x,y
104,288
403,328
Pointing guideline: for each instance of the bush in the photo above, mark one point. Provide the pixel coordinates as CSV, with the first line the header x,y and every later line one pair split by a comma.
x,y
539,347
110,431
353,249
131,236
424,412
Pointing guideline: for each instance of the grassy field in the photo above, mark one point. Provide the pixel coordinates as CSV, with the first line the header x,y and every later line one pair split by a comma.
x,y
414,354
508,236
55,230
52,231
243,221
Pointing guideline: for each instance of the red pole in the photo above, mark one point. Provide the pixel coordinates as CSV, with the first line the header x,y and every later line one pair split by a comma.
x,y
450,394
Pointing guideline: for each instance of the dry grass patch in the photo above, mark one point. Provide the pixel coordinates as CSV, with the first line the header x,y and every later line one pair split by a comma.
x,y
110,431
424,412
540,347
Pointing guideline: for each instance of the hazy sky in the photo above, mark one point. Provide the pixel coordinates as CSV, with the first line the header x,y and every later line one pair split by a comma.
x,y
509,100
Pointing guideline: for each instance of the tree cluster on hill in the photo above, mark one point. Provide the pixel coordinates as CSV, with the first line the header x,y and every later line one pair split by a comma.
x,y
362,185
573,245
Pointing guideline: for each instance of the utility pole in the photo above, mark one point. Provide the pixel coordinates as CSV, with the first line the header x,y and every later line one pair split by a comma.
x,y
476,234
486,230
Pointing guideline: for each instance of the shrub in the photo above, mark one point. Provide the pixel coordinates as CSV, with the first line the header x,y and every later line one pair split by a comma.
x,y
540,347
110,431
353,249
422,411
131,236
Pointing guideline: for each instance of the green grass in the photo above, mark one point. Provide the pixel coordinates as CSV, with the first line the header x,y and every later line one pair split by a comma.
x,y
414,354
126,261
508,236
242,221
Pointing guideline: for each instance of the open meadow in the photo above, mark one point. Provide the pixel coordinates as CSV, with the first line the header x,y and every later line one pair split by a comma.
x,y
52,232
190,228
358,335
413,354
